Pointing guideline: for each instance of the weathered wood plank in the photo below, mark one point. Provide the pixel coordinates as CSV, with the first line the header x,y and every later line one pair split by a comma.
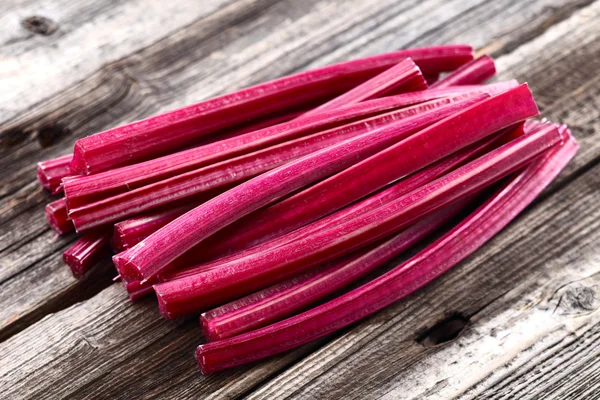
x,y
88,34
131,88
546,249
106,339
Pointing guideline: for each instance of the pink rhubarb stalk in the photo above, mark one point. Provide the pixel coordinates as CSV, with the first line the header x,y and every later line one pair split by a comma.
x,y
87,251
51,172
159,135
130,232
392,192
404,73
241,277
476,71
57,217
370,175
82,190
430,263
143,261
288,297
243,238
238,169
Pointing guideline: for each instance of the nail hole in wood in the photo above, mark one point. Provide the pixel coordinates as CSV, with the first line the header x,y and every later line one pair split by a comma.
x,y
50,134
40,25
444,331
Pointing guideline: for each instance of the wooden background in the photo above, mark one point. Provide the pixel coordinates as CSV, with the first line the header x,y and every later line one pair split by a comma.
x,y
525,305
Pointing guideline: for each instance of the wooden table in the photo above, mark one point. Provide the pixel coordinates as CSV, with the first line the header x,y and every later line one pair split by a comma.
x,y
519,319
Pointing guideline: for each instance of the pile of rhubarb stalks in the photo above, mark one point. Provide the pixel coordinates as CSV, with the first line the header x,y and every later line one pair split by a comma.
x,y
288,210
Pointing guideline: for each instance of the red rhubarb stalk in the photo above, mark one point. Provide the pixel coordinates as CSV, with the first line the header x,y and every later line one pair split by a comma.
x,y
476,71
136,290
241,277
492,113
394,191
87,251
437,258
82,190
51,172
288,297
240,168
373,173
57,217
198,224
260,124
158,135
246,234
404,73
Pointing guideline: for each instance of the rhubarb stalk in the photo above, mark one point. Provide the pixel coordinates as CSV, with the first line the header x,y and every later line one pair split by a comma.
x,y
369,175
130,232
404,73
237,169
243,276
87,251
158,135
182,265
476,71
82,190
181,234
57,217
243,238
51,172
437,258
285,298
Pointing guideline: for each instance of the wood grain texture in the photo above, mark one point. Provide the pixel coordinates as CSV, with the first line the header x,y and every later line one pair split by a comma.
x,y
104,339
88,35
106,347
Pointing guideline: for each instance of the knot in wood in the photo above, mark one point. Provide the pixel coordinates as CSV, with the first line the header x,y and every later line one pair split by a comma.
x,y
40,25
444,331
50,134
579,299
12,137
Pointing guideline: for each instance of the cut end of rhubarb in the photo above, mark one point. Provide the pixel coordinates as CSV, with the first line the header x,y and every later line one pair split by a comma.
x,y
78,165
41,175
75,264
162,305
127,270
210,331
56,215
202,364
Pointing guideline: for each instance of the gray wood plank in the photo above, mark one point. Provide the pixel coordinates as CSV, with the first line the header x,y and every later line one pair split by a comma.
x,y
87,35
107,338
